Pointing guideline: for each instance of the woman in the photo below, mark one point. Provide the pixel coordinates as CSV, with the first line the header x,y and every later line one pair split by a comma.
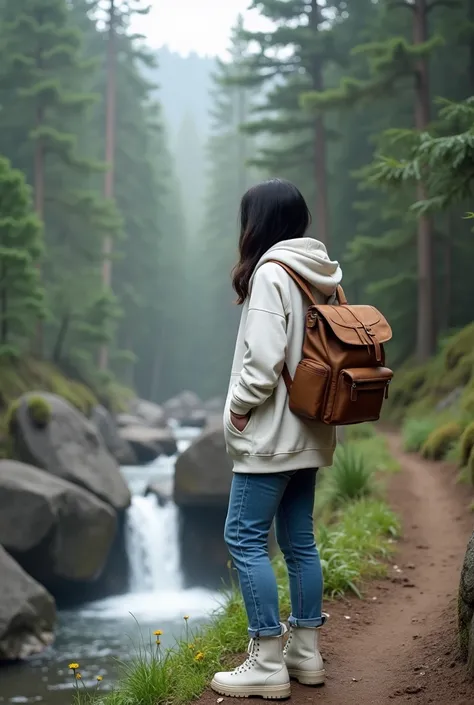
x,y
275,453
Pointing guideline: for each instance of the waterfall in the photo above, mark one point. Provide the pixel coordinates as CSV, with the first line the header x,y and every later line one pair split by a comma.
x,y
156,589
152,545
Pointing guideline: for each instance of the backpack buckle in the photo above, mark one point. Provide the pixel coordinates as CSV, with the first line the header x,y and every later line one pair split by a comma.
x,y
312,319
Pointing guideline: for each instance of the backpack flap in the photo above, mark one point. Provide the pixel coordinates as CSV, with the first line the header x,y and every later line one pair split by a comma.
x,y
357,325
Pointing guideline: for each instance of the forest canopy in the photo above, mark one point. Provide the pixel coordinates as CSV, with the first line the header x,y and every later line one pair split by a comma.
x,y
120,239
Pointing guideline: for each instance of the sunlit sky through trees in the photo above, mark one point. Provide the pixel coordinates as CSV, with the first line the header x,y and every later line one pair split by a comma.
x,y
202,26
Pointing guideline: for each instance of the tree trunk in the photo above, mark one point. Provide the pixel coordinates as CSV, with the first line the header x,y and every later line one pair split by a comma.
x,y
4,309
110,117
39,177
448,270
242,140
63,331
319,147
470,19
426,335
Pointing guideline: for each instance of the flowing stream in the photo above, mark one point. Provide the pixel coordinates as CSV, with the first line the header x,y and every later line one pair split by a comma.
x,y
99,634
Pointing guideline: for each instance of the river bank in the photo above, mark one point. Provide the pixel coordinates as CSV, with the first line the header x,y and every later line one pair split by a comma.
x,y
102,633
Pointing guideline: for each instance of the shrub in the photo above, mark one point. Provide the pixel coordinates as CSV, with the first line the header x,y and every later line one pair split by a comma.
x,y
39,411
351,477
415,432
10,419
441,440
470,467
467,444
360,432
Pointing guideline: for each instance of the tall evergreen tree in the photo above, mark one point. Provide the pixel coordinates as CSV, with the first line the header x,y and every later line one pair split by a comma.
x,y
215,253
42,79
21,295
392,61
291,59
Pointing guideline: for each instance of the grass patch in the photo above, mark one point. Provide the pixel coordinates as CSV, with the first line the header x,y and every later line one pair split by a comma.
x,y
352,549
351,477
355,473
415,433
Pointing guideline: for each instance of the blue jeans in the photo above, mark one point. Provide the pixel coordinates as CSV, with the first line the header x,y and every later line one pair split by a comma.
x,y
255,500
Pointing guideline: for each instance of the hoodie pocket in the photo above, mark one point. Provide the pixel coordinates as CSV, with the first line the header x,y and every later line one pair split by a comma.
x,y
237,442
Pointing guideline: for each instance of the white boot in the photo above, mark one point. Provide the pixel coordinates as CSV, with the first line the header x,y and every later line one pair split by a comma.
x,y
302,656
263,674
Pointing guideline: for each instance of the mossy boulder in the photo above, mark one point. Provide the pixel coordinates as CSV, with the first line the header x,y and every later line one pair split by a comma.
x,y
466,607
71,448
441,440
418,390
39,411
467,444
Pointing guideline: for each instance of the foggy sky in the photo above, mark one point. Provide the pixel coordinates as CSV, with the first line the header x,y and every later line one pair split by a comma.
x,y
202,26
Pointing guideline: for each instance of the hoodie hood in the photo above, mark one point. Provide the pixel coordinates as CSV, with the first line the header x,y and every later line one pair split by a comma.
x,y
308,258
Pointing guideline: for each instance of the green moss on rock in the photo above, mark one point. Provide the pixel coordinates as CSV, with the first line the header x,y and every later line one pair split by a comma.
x,y
441,440
39,411
11,416
417,390
467,444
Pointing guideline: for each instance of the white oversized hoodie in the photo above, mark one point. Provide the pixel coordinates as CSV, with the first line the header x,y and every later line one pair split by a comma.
x,y
271,333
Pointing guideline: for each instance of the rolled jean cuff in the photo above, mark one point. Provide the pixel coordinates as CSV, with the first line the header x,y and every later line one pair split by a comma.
x,y
308,623
268,631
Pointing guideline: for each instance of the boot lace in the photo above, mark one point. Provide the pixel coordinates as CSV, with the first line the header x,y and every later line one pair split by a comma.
x,y
288,641
253,651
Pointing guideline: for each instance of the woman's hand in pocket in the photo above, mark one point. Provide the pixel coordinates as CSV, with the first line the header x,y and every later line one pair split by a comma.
x,y
239,422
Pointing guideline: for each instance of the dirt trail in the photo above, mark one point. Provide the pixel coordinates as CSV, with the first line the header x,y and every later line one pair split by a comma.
x,y
399,644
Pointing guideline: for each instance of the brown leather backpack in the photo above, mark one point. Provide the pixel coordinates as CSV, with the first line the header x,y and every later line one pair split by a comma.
x,y
342,378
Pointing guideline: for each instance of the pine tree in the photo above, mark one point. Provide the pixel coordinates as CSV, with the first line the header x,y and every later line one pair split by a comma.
x,y
21,295
392,61
305,33
228,177
42,79
118,17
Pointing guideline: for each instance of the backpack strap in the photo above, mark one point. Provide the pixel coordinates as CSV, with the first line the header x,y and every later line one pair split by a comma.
x,y
304,287
301,283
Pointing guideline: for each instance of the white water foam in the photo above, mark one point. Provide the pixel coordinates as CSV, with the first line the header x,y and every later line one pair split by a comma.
x,y
156,586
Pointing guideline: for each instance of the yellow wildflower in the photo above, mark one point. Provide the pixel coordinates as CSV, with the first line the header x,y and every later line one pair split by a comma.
x,y
186,617
99,678
78,676
199,656
158,632
73,666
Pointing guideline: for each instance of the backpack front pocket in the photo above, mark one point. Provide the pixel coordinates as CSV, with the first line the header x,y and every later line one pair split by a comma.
x,y
308,390
359,396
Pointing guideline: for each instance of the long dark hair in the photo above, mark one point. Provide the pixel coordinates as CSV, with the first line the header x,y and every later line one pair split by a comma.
x,y
270,212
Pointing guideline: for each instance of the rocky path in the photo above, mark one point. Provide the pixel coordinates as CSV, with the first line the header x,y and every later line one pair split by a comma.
x,y
399,645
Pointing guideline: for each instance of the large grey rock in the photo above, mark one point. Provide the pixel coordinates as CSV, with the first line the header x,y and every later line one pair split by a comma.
x,y
115,444
27,612
149,443
204,472
55,529
187,409
128,420
466,607
149,412
69,446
